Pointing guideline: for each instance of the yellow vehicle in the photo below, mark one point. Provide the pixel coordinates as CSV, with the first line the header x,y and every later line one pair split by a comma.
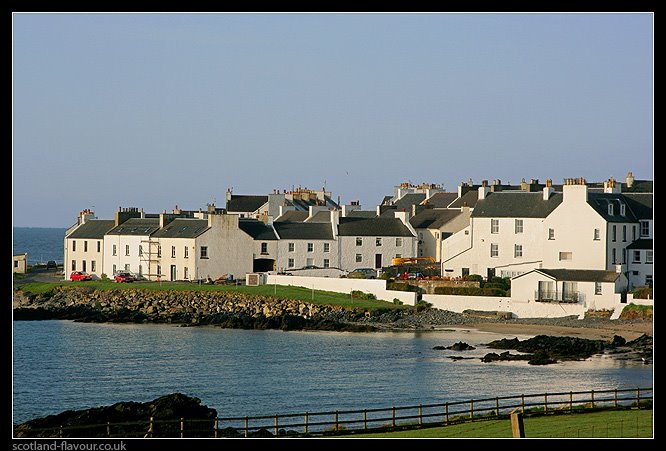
x,y
401,261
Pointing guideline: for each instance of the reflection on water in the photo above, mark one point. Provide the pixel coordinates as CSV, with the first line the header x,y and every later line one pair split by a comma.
x,y
60,365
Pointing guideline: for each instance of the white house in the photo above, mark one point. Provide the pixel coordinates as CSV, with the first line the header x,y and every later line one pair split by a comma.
x,y
434,225
124,244
306,244
84,245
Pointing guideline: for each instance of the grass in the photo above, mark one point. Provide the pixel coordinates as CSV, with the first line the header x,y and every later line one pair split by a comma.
x,y
280,291
611,424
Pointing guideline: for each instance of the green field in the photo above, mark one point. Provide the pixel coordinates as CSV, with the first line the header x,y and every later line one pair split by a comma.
x,y
280,291
607,424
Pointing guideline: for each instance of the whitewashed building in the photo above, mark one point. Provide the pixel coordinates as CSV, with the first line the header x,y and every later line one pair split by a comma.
x,y
434,225
304,244
125,243
84,245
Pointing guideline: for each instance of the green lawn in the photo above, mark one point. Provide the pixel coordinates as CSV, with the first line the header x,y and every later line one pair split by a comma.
x,y
612,424
280,291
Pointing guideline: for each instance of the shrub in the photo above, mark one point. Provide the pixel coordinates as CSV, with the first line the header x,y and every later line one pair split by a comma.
x,y
643,293
105,277
470,291
385,276
473,277
361,295
397,301
422,305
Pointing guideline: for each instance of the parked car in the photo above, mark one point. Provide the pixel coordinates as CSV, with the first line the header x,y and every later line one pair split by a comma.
x,y
80,276
311,267
363,273
124,277
51,264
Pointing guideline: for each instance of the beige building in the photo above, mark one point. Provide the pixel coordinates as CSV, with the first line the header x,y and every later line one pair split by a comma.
x,y
84,245
20,263
433,226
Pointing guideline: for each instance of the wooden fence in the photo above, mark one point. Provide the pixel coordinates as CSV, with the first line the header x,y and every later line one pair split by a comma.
x,y
366,420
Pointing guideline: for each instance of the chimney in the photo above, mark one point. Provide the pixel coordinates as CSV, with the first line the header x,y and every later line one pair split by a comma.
x,y
611,187
483,189
548,189
229,193
574,190
630,179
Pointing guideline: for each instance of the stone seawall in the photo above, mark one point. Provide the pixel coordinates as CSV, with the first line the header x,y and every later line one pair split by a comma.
x,y
227,309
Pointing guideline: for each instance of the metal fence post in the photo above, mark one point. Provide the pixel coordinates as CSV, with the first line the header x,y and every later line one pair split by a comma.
x,y
182,427
337,427
592,398
247,431
497,413
108,429
393,417
638,397
570,401
277,431
471,409
305,421
420,414
615,397
522,403
545,403
365,420
216,425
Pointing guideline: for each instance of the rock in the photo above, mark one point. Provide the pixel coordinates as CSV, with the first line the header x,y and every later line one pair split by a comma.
x,y
618,341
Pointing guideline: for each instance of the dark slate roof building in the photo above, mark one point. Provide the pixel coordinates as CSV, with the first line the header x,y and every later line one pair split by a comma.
x,y
440,200
516,204
373,227
581,275
257,229
293,216
362,214
640,204
93,229
182,228
641,244
136,226
304,230
470,198
433,218
600,203
320,216
408,200
245,203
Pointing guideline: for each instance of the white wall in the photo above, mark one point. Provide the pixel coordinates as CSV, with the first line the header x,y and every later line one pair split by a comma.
x,y
374,286
180,261
230,250
80,255
368,249
121,258
300,253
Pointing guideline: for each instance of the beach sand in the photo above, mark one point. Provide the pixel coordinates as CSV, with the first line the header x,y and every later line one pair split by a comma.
x,y
629,331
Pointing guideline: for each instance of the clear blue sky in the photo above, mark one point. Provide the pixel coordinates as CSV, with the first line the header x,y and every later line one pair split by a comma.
x,y
158,110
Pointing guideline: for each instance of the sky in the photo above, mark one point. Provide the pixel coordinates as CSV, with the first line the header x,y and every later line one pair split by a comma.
x,y
158,110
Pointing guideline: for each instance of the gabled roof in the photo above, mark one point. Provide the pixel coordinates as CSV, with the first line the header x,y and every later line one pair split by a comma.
x,y
577,275
516,204
93,229
600,201
642,243
182,228
136,227
470,198
362,214
246,204
373,227
292,216
386,200
641,204
304,230
408,200
257,229
433,218
320,216
440,200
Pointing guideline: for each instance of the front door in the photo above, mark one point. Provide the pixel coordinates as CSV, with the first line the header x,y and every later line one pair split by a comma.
x,y
378,261
173,272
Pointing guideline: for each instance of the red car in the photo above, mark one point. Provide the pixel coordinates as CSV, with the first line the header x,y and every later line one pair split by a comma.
x,y
79,275
124,277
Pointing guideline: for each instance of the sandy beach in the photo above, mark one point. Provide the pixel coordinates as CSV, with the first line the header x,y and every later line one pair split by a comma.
x,y
629,331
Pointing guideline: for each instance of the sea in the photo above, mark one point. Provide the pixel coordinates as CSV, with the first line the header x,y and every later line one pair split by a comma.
x,y
59,365
40,243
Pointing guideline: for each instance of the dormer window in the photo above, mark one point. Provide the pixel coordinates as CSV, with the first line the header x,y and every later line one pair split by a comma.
x,y
623,209
610,209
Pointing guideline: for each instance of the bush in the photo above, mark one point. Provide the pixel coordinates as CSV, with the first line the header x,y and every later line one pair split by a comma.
x,y
470,291
473,278
422,305
361,295
397,301
402,286
385,276
643,293
105,277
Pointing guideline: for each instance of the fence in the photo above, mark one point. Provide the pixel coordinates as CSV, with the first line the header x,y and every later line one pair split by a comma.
x,y
366,420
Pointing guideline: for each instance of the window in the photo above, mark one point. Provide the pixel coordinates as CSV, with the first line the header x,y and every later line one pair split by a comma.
x,y
398,242
127,267
99,246
614,253
326,263
185,274
648,257
290,264
648,280
126,249
610,209
494,250
359,258
518,250
204,252
614,234
436,235
327,247
85,246
622,210
565,256
597,235
309,262
551,234
114,269
140,270
398,255
310,247
519,226
73,265
645,228
291,247
159,270
73,245
159,250
636,257
378,241
93,266
83,267
494,226
597,287
359,241
114,249
140,250
264,248
633,233
624,233
624,256
173,251
186,252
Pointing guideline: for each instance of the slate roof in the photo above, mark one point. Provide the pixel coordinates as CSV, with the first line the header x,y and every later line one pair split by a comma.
x,y
93,229
581,275
470,197
386,200
408,200
245,203
293,216
362,214
600,202
182,228
440,200
433,218
516,204
304,230
320,216
641,204
372,227
643,243
257,229
136,226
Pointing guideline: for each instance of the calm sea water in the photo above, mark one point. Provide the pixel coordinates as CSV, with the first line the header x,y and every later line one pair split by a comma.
x,y
60,365
41,244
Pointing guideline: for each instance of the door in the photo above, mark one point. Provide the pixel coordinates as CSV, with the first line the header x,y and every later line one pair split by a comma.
x,y
84,266
378,261
173,272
